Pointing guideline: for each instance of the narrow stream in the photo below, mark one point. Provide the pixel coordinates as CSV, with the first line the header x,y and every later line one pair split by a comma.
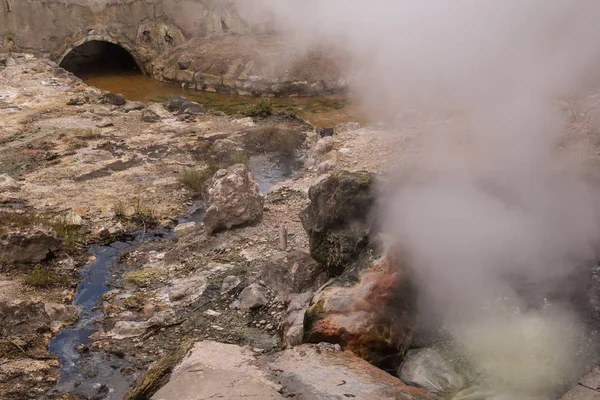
x,y
107,381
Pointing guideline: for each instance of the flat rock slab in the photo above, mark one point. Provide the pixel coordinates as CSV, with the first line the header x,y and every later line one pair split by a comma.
x,y
588,387
308,372
218,370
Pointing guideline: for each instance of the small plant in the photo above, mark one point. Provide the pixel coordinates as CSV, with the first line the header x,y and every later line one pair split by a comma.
x,y
270,138
43,277
119,208
193,179
143,214
262,108
70,234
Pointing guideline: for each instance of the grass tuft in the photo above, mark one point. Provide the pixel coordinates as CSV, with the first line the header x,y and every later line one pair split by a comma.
x,y
262,108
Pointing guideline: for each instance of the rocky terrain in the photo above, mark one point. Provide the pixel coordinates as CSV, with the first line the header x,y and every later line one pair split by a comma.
x,y
214,285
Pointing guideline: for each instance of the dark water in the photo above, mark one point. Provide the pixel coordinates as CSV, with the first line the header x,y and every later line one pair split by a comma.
x,y
74,376
324,111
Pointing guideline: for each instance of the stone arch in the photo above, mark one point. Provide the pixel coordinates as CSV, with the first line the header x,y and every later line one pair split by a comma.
x,y
102,39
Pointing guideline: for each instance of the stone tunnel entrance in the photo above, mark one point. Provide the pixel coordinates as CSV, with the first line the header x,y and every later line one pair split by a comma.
x,y
99,57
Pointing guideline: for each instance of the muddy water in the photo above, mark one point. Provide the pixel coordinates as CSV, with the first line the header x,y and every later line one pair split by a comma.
x,y
325,111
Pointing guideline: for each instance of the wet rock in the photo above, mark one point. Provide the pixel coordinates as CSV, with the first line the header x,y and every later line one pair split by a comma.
x,y
230,283
22,318
174,103
252,297
183,229
324,132
150,116
337,219
30,245
370,309
293,272
427,368
113,98
192,108
293,325
134,106
233,197
7,183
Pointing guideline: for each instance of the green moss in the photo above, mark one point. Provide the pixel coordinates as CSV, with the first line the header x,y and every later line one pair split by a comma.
x,y
145,276
158,374
363,178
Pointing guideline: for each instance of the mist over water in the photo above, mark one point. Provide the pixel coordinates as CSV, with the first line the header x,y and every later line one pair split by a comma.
x,y
501,225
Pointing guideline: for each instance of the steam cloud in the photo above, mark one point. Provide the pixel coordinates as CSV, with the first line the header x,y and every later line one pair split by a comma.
x,y
501,225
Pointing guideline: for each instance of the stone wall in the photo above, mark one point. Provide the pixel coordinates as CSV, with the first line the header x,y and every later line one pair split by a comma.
x,y
143,27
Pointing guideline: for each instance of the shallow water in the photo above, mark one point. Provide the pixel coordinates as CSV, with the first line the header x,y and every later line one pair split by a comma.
x,y
88,300
324,111
270,169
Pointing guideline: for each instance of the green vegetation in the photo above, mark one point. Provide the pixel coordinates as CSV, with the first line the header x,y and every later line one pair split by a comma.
x,y
139,212
194,179
262,108
270,138
239,158
44,277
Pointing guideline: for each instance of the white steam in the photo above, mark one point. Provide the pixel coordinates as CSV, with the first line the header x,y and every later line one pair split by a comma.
x,y
500,214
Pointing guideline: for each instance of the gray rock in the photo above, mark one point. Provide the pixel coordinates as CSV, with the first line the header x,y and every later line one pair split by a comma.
x,y
150,116
29,245
192,108
252,297
134,106
113,98
230,283
10,62
23,318
293,325
428,369
323,146
233,198
292,272
324,132
174,103
129,329
337,220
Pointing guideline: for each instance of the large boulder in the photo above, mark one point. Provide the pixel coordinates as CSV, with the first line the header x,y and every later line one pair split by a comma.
x,y
337,219
292,272
30,245
232,198
370,309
